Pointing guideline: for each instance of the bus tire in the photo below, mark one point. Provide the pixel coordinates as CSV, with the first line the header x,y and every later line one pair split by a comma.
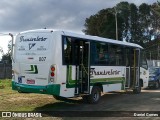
x,y
137,90
85,98
95,95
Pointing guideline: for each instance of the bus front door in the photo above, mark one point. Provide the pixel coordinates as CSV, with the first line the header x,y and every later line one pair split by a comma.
x,y
133,69
83,68
136,68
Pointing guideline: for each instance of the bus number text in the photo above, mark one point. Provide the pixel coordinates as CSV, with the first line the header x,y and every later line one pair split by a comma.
x,y
42,58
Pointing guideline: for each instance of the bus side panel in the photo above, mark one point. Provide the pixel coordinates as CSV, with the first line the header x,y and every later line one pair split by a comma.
x,y
62,71
67,88
112,87
111,77
67,92
144,75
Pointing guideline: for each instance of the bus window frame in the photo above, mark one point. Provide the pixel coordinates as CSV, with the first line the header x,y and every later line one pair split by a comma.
x,y
93,42
74,38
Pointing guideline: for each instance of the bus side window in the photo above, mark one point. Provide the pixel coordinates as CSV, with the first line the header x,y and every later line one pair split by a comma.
x,y
94,55
116,55
67,50
102,54
112,55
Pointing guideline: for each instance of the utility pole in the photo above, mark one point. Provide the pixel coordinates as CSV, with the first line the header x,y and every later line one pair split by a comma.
x,y
158,52
116,23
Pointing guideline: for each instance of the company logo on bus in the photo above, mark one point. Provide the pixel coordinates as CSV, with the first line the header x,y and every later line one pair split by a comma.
x,y
33,70
31,45
22,39
104,72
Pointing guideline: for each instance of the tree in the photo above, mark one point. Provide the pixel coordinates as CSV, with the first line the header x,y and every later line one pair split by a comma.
x,y
155,8
124,11
145,21
101,24
7,56
135,24
153,47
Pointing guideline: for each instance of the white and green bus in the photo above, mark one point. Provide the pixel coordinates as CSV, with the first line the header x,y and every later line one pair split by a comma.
x,y
66,64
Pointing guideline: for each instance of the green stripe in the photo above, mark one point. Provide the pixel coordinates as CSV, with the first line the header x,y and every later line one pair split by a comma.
x,y
71,83
36,70
53,89
33,70
107,79
102,81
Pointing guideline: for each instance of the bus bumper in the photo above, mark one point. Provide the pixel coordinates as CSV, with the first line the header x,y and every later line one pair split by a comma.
x,y
53,89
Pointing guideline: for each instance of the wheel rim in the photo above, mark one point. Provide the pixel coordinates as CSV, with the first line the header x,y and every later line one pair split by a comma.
x,y
96,96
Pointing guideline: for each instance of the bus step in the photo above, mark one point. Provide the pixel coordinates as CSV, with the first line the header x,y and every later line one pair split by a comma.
x,y
127,87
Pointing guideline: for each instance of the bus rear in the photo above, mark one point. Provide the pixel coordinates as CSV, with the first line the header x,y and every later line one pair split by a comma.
x,y
33,63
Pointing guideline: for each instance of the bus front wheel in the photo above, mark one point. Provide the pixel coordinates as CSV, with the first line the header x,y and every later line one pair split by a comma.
x,y
95,95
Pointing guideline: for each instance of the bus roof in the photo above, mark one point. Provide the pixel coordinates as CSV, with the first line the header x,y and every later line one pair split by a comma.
x,y
83,36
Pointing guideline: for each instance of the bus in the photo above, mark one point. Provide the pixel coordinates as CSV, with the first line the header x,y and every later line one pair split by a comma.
x,y
67,65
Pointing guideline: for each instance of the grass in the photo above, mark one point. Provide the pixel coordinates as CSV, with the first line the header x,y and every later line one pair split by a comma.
x,y
5,83
14,101
5,87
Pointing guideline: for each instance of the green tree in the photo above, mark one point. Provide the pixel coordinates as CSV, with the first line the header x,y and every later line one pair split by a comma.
x,y
155,8
135,24
145,21
123,10
102,24
134,21
7,57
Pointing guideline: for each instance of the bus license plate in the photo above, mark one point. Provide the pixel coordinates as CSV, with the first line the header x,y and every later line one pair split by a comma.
x,y
30,81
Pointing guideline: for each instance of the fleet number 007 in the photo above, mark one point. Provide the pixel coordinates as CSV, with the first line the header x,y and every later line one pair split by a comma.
x,y
42,58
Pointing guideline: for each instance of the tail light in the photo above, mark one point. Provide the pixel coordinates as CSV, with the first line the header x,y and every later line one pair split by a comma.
x,y
52,73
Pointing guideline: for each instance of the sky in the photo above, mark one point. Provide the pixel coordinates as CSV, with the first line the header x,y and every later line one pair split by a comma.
x,y
22,15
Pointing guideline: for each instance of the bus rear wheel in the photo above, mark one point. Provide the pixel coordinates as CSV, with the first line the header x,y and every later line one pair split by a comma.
x,y
95,95
137,90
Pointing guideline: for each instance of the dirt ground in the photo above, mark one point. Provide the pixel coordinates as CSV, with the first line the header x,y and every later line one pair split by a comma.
x,y
147,101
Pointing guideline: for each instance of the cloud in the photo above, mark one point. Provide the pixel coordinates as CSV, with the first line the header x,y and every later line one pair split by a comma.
x,y
20,15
